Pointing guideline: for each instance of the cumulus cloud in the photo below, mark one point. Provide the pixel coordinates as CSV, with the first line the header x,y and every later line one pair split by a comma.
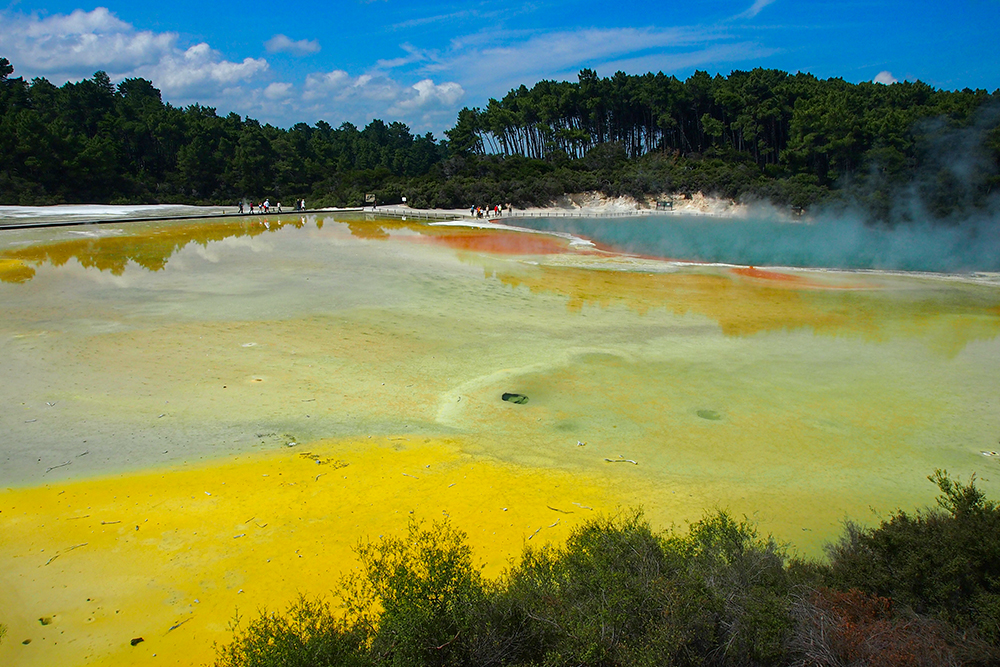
x,y
323,84
374,95
885,77
427,94
75,44
199,70
282,44
64,47
278,91
340,86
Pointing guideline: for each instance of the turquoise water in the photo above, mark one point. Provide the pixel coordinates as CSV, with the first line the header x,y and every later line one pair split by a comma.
x,y
761,240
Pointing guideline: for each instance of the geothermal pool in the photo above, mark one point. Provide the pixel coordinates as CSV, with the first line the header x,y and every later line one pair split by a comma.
x,y
201,416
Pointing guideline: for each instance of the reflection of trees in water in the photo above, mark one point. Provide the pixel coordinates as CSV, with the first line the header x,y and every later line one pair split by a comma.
x,y
150,249
472,239
742,301
15,271
364,229
745,302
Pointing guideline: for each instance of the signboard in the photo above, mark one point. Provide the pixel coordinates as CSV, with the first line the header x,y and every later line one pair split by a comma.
x,y
370,199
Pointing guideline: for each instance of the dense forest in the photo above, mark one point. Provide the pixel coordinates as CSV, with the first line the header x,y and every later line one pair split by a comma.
x,y
919,589
791,139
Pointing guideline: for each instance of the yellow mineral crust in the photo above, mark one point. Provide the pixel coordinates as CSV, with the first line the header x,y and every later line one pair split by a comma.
x,y
171,555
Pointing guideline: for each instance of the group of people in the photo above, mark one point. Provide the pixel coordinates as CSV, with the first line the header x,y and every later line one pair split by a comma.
x,y
262,207
265,206
481,212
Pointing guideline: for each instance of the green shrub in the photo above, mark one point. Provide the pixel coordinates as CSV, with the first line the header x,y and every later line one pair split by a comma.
x,y
745,576
594,600
415,596
920,589
944,562
308,634
618,594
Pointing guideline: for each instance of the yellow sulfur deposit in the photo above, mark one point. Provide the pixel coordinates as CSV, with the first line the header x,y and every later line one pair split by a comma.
x,y
170,555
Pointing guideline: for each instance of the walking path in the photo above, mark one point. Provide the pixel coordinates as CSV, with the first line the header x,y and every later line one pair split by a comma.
x,y
33,217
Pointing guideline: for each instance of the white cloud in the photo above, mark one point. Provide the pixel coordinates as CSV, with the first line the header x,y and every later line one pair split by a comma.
x,y
754,9
453,17
67,47
885,77
339,86
427,94
497,65
326,84
687,60
199,70
414,55
278,91
282,44
78,23
338,95
76,44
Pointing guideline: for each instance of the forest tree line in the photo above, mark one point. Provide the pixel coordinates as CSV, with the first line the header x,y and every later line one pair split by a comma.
x,y
765,134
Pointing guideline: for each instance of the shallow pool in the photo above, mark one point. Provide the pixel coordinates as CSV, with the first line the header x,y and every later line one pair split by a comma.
x,y
798,398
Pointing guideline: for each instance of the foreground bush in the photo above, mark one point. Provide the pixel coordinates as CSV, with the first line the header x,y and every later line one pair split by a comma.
x,y
616,593
917,590
856,628
415,597
943,562
309,634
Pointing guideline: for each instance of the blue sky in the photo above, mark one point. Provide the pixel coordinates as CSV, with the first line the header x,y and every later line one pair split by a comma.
x,y
420,62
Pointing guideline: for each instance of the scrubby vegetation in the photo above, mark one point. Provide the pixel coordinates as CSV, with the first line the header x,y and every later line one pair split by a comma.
x,y
789,138
916,590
